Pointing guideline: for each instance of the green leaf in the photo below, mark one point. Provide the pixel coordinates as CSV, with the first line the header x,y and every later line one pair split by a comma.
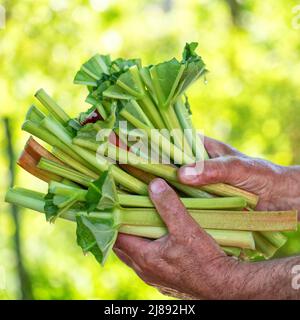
x,y
97,93
50,208
97,237
146,77
134,109
102,193
131,82
56,205
194,68
115,92
92,71
121,65
189,51
83,78
165,77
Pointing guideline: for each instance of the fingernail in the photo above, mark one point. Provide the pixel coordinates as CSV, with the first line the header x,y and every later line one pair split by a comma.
x,y
158,186
188,173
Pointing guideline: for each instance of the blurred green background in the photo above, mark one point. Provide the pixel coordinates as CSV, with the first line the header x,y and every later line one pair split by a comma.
x,y
252,100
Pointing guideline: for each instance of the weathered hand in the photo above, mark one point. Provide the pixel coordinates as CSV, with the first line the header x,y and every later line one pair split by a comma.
x,y
277,186
186,263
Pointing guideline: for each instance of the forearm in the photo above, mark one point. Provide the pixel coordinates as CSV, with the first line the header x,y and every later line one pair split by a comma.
x,y
276,279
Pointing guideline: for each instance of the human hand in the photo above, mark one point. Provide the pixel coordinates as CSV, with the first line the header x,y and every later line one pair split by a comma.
x,y
186,263
277,186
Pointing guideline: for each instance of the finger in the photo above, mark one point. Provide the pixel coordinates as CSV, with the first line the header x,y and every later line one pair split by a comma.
x,y
129,262
171,209
217,148
218,170
124,257
134,247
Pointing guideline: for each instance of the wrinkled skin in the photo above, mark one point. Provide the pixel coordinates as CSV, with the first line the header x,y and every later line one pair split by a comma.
x,y
277,186
187,263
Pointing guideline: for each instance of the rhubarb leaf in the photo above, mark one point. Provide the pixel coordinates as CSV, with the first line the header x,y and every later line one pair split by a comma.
x,y
131,82
134,109
189,51
116,92
146,77
50,208
56,205
121,65
102,193
82,78
97,237
93,70
96,95
194,68
165,77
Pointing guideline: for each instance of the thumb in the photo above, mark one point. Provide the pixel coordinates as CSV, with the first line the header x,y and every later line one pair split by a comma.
x,y
171,209
218,170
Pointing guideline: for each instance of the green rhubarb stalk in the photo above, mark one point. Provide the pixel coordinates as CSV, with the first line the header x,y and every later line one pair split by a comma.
x,y
141,95
170,173
190,203
166,106
25,198
128,200
223,220
121,157
66,191
99,162
64,157
277,239
151,111
34,114
190,191
43,134
211,219
241,239
64,171
189,130
52,106
159,139
174,127
263,246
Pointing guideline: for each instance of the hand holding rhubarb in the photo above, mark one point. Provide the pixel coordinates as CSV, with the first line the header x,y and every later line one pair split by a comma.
x,y
98,170
276,186
187,264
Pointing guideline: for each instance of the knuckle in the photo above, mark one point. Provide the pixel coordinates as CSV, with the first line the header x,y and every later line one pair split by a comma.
x,y
235,161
